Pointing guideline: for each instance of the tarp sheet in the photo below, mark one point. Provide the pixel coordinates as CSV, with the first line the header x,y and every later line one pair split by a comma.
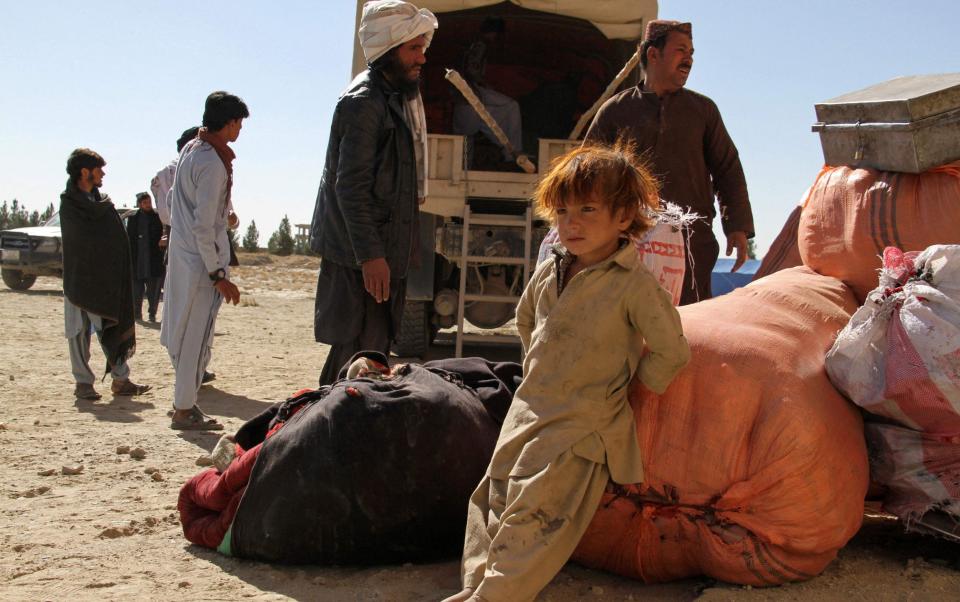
x,y
722,280
616,19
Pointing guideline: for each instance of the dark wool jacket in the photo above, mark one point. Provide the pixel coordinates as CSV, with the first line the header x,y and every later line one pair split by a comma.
x,y
97,268
367,204
155,232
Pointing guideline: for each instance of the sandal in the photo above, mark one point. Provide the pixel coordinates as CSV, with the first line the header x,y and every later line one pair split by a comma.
x,y
86,391
128,388
196,421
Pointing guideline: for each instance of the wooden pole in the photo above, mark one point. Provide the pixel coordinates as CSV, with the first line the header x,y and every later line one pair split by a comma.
x,y
464,88
586,117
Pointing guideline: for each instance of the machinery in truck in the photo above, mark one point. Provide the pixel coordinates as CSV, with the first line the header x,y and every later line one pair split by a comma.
x,y
478,234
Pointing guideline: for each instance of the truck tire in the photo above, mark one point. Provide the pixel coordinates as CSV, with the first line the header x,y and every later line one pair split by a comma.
x,y
17,280
416,332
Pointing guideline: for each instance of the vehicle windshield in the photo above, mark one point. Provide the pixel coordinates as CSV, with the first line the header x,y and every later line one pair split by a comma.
x,y
53,221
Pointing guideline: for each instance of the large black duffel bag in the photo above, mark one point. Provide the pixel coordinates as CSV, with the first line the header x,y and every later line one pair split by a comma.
x,y
373,471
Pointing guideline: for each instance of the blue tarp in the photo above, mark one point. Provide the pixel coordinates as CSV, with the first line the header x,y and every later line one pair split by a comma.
x,y
722,281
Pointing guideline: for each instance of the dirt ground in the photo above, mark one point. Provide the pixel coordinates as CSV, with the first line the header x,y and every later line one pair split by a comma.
x,y
112,532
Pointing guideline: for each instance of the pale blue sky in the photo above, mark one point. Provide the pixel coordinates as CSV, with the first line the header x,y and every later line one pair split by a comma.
x,y
126,77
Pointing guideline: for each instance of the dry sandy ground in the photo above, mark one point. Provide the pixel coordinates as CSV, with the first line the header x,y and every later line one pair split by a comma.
x,y
111,532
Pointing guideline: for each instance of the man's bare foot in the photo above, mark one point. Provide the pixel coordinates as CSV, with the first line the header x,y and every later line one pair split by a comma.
x,y
462,596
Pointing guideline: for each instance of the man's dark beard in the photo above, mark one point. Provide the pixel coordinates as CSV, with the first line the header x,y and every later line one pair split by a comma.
x,y
391,68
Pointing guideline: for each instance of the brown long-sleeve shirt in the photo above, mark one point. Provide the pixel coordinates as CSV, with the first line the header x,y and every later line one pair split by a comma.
x,y
683,136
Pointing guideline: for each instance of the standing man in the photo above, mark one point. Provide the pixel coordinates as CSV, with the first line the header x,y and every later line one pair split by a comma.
x,y
367,210
504,110
199,254
144,230
690,150
161,183
96,278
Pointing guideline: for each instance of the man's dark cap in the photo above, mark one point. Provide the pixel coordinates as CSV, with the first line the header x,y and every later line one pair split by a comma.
x,y
659,28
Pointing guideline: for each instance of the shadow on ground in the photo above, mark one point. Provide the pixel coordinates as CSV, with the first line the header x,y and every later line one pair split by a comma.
x,y
117,409
218,402
33,292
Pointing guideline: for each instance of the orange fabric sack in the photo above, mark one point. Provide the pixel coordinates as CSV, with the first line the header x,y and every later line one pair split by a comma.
x,y
756,467
851,215
784,252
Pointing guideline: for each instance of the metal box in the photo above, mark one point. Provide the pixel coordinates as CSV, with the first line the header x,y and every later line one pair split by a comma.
x,y
907,124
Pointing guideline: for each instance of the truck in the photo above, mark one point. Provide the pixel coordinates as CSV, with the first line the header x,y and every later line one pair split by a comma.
x,y
32,251
478,235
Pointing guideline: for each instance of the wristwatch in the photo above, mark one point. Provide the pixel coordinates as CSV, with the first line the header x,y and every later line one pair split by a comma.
x,y
219,275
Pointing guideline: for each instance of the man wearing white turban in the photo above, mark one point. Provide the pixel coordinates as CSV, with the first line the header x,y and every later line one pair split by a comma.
x,y
374,178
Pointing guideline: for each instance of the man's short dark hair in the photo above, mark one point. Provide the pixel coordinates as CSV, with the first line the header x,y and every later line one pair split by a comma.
x,y
142,195
660,42
83,158
187,135
221,108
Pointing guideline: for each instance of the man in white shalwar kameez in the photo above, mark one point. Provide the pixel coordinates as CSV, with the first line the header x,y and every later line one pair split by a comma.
x,y
199,255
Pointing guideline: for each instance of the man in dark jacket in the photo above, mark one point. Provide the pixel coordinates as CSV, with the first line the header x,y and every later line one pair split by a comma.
x,y
144,229
96,278
689,149
367,210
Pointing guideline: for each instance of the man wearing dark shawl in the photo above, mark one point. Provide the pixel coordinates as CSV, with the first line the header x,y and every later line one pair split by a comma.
x,y
97,285
367,211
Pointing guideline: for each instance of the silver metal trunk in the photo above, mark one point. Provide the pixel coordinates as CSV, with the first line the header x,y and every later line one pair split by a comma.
x,y
908,124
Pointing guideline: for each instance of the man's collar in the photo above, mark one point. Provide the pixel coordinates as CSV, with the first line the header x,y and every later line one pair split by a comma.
x,y
648,93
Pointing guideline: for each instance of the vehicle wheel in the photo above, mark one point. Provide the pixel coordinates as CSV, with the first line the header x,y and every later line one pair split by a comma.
x,y
416,332
17,280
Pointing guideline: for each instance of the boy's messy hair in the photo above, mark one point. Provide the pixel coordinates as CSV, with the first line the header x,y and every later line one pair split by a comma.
x,y
612,175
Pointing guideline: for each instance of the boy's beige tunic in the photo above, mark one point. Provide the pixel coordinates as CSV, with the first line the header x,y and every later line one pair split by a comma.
x,y
581,349
570,428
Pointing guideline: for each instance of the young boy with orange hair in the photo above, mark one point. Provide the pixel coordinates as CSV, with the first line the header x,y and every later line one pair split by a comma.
x,y
584,320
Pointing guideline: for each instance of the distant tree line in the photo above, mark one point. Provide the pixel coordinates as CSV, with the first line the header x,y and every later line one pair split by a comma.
x,y
15,215
281,242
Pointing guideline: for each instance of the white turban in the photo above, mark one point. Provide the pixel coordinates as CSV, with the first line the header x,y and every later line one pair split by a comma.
x,y
389,23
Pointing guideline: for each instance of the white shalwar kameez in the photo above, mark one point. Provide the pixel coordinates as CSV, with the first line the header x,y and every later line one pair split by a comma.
x,y
198,246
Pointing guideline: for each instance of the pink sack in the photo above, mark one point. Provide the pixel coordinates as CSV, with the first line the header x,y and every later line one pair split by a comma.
x,y
918,472
899,357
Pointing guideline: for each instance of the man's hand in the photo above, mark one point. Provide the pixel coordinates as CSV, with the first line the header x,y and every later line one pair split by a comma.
x,y
163,242
421,200
737,240
229,290
376,278
233,221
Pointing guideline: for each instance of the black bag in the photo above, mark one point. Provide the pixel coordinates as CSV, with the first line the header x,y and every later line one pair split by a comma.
x,y
373,471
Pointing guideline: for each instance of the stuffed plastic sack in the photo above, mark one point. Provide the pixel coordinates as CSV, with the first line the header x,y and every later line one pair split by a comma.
x,y
899,357
756,466
660,249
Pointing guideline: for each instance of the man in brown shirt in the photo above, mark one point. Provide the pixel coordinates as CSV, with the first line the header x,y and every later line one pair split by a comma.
x,y
682,134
